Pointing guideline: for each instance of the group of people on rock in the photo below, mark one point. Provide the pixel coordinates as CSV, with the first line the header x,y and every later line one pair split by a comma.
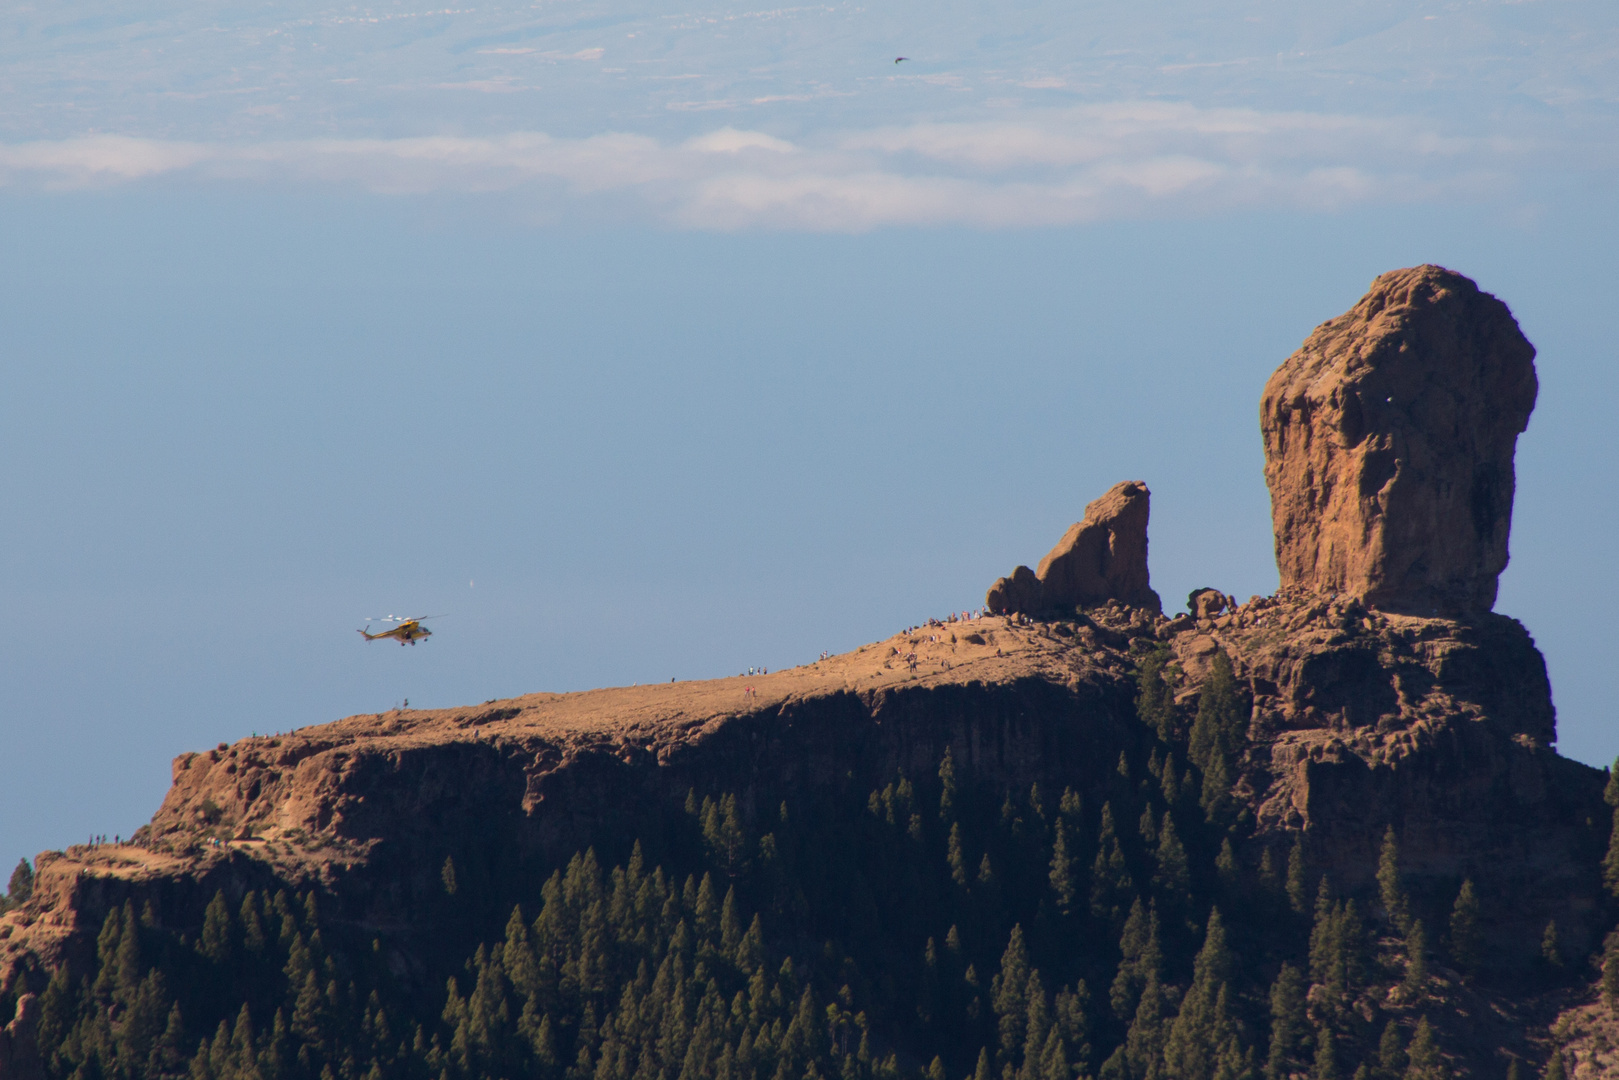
x,y
953,617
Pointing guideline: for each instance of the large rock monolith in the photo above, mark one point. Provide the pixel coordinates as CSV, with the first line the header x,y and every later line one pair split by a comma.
x,y
1102,558
1389,439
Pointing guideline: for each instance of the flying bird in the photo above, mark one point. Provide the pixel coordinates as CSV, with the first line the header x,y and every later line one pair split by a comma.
x,y
897,59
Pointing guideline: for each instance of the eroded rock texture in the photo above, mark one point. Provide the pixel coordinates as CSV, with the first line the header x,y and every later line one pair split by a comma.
x,y
1102,558
1389,439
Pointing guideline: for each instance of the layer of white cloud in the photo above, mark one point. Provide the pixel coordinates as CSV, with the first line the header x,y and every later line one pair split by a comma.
x,y
1037,168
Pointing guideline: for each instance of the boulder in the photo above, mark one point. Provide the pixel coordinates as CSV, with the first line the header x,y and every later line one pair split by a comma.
x,y
1389,440
1207,603
1018,592
1102,558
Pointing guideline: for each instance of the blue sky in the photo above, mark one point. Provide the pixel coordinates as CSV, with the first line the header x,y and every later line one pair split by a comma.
x,y
652,343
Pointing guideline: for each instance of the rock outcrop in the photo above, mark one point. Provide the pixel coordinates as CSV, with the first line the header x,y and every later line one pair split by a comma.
x,y
19,1043
1207,603
1389,440
1360,719
1102,558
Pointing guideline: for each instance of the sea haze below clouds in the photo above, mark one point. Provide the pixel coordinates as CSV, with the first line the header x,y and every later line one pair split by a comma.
x,y
731,116
236,427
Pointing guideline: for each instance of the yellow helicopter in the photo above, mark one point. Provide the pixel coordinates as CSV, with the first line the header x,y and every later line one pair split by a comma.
x,y
408,632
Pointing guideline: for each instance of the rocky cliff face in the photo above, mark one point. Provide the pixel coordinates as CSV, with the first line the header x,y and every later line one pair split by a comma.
x,y
368,808
1389,439
1359,720
1443,729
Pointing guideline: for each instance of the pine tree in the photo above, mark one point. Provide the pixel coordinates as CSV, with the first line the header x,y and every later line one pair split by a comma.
x,y
220,1052
1423,1057
1201,1029
1110,876
244,1049
1140,958
1326,1055
1147,827
1218,734
168,1053
1216,798
1143,1049
1071,807
1297,886
947,786
21,885
112,931
215,943
1053,1059
1287,1022
1174,875
706,911
1169,782
1063,871
1465,942
253,939
1550,950
723,833
1556,1068
956,857
1007,996
1271,883
1324,936
1225,865
1391,1058
730,923
143,1022
1390,887
447,875
1072,1024
1155,702
1416,959
1037,1030
131,966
